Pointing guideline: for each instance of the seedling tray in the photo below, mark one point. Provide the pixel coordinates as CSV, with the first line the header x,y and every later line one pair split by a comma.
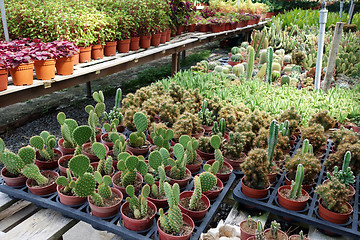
x,y
310,214
113,224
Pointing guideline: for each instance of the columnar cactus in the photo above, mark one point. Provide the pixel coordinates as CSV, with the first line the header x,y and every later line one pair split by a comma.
x,y
115,113
128,165
208,181
161,137
269,61
345,175
81,135
172,222
95,113
137,139
45,143
295,192
138,205
196,196
275,227
250,222
236,58
105,163
235,50
238,70
272,140
178,169
206,117
250,68
259,232
215,142
235,145
67,128
190,144
219,129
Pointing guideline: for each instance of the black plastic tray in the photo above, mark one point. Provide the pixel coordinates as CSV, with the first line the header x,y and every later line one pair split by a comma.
x,y
112,224
310,214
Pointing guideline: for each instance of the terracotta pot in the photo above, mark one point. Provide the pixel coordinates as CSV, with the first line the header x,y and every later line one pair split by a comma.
x,y
76,59
105,212
65,65
65,151
291,204
207,128
123,46
242,24
195,215
243,234
191,28
234,163
155,39
98,134
138,151
163,37
62,159
145,41
110,145
12,181
180,30
85,54
95,165
120,129
97,52
226,137
215,28
292,140
204,155
297,237
227,26
231,63
168,35
284,236
92,157
223,176
110,48
159,203
182,183
222,27
203,28
45,69
69,200
3,79
252,21
165,236
305,187
22,74
198,135
351,189
272,177
137,224
122,189
134,43
194,168
46,190
213,194
45,165
253,193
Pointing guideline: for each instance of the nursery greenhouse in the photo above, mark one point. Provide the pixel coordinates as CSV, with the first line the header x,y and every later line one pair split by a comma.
x,y
180,119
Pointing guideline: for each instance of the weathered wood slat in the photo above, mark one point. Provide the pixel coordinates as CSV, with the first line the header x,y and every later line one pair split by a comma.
x,y
15,214
6,201
45,224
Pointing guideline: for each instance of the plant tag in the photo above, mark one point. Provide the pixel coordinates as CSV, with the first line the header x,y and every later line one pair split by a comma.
x,y
97,72
47,84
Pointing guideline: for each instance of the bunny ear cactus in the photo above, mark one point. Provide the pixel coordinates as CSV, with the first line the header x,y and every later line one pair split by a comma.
x,y
196,196
172,222
79,165
272,140
105,164
215,142
295,191
139,204
104,190
155,160
31,171
128,165
81,135
45,143
161,137
178,168
67,128
15,163
137,139
208,181
119,143
66,182
190,144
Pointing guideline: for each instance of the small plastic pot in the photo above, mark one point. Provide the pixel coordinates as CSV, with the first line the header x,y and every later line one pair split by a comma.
x,y
45,165
137,224
62,159
194,168
207,128
165,236
204,155
233,163
198,135
159,203
292,204
13,181
333,217
105,212
138,151
92,157
182,183
110,48
110,145
223,176
284,235
213,194
122,189
69,200
195,215
254,193
46,190
243,233
64,150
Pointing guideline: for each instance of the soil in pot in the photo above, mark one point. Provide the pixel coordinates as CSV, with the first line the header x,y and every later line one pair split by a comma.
x,y
247,231
205,155
142,150
195,166
280,235
292,204
45,164
235,163
57,155
184,202
108,202
111,205
50,177
253,193
69,198
116,179
130,214
63,149
297,237
185,230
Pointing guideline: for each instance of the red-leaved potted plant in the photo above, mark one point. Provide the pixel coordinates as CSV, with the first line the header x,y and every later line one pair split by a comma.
x,y
65,56
44,55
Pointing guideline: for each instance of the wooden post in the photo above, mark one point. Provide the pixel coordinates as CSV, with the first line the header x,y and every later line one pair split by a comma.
x,y
174,62
332,56
178,61
183,55
88,89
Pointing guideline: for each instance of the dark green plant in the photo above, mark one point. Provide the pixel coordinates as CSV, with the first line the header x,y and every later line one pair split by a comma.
x,y
295,191
67,128
138,139
45,143
138,205
105,163
190,145
115,113
256,168
161,137
206,117
129,165
178,169
219,128
345,175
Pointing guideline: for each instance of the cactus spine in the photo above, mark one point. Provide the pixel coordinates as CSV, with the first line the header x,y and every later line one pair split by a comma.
x,y
296,186
272,140
269,61
250,68
196,196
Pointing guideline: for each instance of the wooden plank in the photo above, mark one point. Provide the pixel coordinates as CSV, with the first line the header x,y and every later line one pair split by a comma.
x,y
83,230
45,224
11,217
6,201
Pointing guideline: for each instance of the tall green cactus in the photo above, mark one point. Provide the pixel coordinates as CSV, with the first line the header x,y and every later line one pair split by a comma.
x,y
81,135
137,139
67,128
275,227
45,143
205,115
115,113
250,68
306,147
95,113
295,192
259,232
173,221
272,140
284,128
345,175
128,165
269,61
139,204
219,129
161,137
196,196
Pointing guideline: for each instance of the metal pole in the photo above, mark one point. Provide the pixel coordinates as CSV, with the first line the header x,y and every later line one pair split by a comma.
x,y
3,17
351,13
341,9
238,5
322,21
351,4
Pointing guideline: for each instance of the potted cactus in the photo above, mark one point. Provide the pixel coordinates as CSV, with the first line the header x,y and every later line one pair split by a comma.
x,y
211,185
310,163
259,232
193,160
194,203
225,169
315,134
272,141
206,117
66,143
255,183
294,197
39,183
248,228
233,150
188,124
157,193
235,59
205,150
137,143
174,224
177,171
298,237
274,232
345,175
46,155
111,129
105,164
65,189
333,205
161,137
131,169
115,113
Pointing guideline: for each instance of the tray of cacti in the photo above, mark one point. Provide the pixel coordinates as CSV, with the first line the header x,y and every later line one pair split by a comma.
x,y
306,191
122,196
